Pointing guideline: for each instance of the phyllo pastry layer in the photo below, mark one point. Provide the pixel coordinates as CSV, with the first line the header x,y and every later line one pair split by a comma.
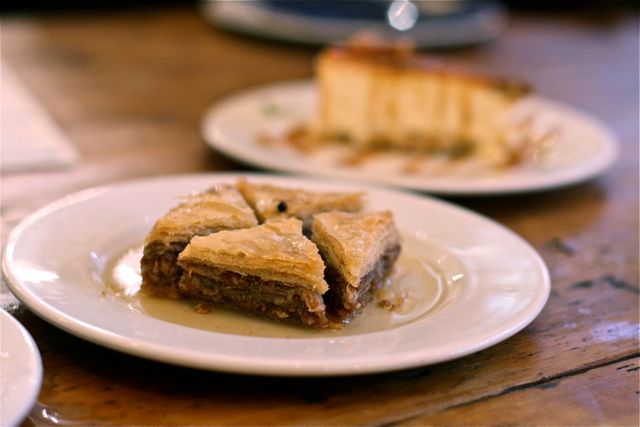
x,y
220,208
359,251
271,270
270,201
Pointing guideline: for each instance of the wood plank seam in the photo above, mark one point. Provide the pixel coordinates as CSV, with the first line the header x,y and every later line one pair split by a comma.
x,y
539,383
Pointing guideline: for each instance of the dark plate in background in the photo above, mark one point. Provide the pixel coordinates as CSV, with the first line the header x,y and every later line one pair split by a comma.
x,y
428,24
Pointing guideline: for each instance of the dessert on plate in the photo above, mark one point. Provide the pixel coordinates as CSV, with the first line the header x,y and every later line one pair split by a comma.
x,y
359,251
220,208
389,97
213,248
271,270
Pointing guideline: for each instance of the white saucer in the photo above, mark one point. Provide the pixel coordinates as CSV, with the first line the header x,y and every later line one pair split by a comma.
x,y
20,371
584,148
490,284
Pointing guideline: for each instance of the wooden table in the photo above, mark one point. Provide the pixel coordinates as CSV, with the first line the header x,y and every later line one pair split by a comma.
x,y
129,88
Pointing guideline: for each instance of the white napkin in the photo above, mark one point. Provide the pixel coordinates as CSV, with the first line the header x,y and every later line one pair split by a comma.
x,y
29,138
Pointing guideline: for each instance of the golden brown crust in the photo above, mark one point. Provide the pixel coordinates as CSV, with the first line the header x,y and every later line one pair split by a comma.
x,y
270,201
220,208
273,269
353,243
372,97
403,59
276,250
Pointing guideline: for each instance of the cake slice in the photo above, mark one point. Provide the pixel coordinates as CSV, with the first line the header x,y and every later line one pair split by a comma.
x,y
389,97
270,201
220,208
271,270
359,251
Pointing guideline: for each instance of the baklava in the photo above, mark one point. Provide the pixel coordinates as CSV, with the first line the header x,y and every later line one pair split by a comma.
x,y
220,208
271,270
359,251
270,201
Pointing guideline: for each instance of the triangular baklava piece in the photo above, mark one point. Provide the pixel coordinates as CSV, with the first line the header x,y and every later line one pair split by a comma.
x,y
270,201
359,251
220,208
271,270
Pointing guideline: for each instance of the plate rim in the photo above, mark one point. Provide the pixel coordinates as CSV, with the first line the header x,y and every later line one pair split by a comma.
x,y
188,358
28,344
475,27
583,171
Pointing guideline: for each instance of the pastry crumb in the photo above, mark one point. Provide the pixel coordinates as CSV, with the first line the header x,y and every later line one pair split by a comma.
x,y
394,303
202,308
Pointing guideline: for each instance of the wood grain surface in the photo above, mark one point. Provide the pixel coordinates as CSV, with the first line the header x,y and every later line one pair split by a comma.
x,y
129,88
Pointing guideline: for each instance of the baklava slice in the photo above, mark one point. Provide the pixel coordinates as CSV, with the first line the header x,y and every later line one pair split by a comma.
x,y
271,270
270,201
359,251
220,208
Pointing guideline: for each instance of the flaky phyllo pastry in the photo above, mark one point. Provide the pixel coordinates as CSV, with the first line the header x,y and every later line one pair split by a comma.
x,y
210,248
359,251
220,208
271,270
270,201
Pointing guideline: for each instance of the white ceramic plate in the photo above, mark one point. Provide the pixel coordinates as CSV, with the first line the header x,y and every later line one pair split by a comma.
x,y
20,371
475,283
584,147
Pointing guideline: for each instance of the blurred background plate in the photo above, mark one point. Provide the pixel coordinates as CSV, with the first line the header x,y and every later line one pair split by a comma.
x,y
426,23
251,126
